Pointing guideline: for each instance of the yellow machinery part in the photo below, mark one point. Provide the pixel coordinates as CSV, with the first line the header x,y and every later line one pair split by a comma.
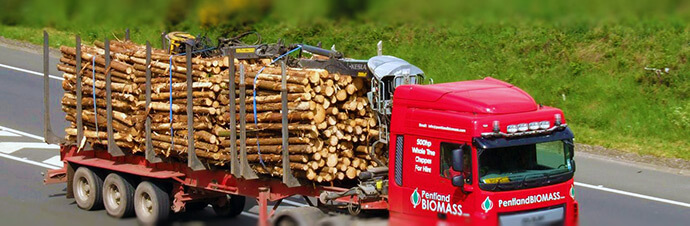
x,y
177,39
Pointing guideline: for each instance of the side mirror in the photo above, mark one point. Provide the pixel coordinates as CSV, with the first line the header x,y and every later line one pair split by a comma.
x,y
456,159
572,164
459,181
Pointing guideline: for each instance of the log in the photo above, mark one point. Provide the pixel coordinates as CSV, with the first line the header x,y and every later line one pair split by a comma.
x,y
351,173
69,99
183,141
161,87
278,126
116,87
101,135
176,95
278,158
277,149
90,119
275,117
177,108
293,106
180,125
67,66
100,60
292,97
88,90
271,85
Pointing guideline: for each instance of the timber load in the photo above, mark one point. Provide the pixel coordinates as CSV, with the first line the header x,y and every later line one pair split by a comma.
x,y
330,124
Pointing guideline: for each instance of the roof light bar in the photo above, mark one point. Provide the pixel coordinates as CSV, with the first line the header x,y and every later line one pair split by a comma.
x,y
514,131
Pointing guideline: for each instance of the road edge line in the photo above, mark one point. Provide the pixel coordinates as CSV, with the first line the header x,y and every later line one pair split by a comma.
x,y
30,72
640,196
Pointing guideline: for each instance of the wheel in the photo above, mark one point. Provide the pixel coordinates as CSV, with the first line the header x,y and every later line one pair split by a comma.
x,y
151,203
231,208
118,196
305,215
338,220
87,187
286,221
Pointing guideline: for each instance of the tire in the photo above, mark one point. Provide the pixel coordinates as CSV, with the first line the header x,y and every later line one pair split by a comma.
x,y
151,204
87,187
233,207
118,196
306,215
339,220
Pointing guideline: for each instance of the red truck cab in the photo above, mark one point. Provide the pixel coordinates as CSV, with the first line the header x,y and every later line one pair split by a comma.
x,y
513,157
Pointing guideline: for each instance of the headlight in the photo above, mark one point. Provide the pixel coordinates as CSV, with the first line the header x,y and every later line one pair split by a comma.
x,y
544,124
522,127
533,126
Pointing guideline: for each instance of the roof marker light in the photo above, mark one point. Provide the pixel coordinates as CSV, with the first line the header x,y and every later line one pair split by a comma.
x,y
558,119
533,125
522,127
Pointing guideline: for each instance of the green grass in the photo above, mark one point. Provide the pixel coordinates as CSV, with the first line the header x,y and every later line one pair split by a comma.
x,y
586,57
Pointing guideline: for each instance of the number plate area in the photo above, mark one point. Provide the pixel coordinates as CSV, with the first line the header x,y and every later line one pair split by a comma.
x,y
547,217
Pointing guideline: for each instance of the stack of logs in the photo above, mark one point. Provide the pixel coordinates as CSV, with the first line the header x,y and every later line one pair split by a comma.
x,y
331,126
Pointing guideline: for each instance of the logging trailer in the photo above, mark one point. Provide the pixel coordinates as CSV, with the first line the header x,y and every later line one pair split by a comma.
x,y
478,152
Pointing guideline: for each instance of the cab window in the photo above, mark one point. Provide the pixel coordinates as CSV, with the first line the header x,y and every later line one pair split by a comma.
x,y
446,161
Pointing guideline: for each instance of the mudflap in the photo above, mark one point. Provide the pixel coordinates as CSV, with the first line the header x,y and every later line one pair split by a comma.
x,y
55,176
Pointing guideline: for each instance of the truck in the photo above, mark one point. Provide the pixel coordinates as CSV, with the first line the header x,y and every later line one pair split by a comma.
x,y
479,152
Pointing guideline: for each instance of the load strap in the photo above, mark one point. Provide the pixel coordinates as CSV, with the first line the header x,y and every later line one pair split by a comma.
x,y
256,121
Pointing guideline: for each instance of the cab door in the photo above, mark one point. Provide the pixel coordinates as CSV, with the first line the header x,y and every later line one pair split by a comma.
x,y
427,180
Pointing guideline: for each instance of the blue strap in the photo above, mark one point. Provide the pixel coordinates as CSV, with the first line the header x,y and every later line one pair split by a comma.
x,y
256,121
258,146
172,135
93,89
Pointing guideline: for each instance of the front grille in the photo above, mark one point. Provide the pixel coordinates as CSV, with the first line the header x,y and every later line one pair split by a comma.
x,y
399,144
551,216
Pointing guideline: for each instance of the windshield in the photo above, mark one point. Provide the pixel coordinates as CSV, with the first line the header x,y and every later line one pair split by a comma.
x,y
525,166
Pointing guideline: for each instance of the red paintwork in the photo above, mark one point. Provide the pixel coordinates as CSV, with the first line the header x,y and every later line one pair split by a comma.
x,y
488,96
459,110
455,113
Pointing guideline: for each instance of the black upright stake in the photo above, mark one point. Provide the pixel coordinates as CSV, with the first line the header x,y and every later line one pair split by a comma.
x,y
113,149
77,69
234,166
245,170
150,153
288,178
48,134
192,160
127,34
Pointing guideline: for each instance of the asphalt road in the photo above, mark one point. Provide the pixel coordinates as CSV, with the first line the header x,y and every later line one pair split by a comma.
x,y
609,192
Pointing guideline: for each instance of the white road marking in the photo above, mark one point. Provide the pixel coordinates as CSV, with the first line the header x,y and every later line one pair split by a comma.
x,y
10,147
30,72
8,134
602,188
29,161
22,133
51,161
55,160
